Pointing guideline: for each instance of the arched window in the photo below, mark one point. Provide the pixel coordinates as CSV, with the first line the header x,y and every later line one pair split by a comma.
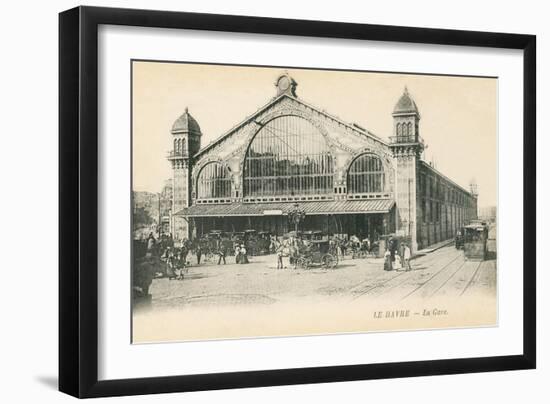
x,y
398,129
288,156
409,129
214,181
366,175
182,145
179,146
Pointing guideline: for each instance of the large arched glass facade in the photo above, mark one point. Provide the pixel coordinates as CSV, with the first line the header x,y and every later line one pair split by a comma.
x,y
288,156
214,181
366,175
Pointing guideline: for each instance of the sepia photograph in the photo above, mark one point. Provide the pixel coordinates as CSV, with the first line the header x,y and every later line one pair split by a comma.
x,y
285,201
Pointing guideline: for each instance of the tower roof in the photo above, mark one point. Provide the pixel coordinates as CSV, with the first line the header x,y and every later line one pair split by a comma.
x,y
185,124
406,104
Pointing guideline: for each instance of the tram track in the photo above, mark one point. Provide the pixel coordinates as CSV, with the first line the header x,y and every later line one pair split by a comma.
x,y
448,279
470,282
420,286
381,285
378,285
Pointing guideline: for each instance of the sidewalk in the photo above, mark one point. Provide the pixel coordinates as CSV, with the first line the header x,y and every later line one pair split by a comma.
x,y
433,248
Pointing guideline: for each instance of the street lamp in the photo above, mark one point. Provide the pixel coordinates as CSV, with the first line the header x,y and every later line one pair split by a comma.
x,y
296,216
160,218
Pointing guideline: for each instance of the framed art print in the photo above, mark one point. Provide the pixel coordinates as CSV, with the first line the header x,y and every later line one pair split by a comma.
x,y
248,201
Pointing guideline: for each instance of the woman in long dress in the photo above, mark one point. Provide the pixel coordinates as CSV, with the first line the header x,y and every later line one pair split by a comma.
x,y
237,254
387,261
397,263
244,256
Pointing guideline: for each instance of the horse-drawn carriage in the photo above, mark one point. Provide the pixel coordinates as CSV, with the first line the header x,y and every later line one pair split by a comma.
x,y
313,235
316,253
360,248
263,243
250,240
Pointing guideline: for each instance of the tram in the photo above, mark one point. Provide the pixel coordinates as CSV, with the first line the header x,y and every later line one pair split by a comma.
x,y
475,241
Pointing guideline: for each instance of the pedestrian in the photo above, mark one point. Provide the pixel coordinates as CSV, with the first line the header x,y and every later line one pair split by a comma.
x,y
367,246
291,244
286,251
170,264
402,252
458,240
274,245
151,242
198,251
331,245
343,247
393,249
407,258
244,257
387,261
237,254
222,252
184,250
279,253
181,263
397,263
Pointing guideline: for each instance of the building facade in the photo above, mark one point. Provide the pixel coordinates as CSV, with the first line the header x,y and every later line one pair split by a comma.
x,y
165,207
346,179
488,213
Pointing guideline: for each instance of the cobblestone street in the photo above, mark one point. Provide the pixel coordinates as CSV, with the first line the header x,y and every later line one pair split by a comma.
x,y
443,272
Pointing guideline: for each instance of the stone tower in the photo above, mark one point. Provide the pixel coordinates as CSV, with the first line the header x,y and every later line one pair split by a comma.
x,y
186,134
407,146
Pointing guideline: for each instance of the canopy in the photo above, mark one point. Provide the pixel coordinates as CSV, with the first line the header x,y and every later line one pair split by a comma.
x,y
278,209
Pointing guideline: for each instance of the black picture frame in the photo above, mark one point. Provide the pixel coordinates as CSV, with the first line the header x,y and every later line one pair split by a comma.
x,y
78,200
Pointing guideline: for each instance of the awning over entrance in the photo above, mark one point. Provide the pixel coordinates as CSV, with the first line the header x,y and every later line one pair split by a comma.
x,y
278,209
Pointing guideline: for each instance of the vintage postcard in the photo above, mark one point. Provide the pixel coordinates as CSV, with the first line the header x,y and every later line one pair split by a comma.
x,y
281,201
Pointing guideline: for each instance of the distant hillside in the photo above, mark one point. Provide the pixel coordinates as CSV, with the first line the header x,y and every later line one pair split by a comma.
x,y
145,208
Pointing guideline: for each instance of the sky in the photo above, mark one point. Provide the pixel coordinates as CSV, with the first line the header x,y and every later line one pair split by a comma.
x,y
458,114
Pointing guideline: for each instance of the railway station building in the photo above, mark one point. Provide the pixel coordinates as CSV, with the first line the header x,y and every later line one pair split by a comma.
x,y
347,180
